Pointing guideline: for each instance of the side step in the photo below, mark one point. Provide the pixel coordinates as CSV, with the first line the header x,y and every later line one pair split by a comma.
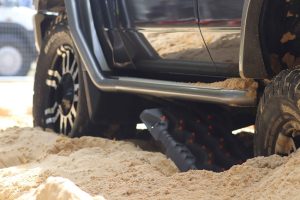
x,y
94,59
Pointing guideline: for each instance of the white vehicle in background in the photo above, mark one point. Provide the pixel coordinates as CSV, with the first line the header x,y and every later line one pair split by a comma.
x,y
17,49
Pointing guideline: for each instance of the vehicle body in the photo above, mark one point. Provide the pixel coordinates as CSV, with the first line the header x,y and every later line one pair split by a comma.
x,y
160,50
17,51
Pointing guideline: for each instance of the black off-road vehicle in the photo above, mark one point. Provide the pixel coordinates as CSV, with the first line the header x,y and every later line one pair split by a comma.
x,y
195,69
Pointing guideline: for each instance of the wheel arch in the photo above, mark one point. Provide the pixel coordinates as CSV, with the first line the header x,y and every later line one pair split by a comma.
x,y
49,5
252,59
47,11
263,25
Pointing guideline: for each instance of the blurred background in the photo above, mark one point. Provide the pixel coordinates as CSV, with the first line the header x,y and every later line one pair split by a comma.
x,y
17,62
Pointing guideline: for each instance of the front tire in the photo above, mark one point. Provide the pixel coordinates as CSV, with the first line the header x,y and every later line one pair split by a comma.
x,y
278,117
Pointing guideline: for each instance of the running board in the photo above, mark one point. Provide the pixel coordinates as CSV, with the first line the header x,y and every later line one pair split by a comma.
x,y
166,89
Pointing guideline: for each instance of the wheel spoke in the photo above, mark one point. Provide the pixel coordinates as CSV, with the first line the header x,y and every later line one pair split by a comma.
x,y
68,61
70,120
52,83
59,52
61,123
51,110
52,120
76,98
73,67
73,112
55,74
75,74
64,68
62,48
65,125
76,87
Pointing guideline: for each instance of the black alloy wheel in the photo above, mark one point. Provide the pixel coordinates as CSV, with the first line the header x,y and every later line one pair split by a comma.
x,y
59,101
63,80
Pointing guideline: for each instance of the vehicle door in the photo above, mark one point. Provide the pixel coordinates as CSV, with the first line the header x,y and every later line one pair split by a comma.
x,y
220,23
165,35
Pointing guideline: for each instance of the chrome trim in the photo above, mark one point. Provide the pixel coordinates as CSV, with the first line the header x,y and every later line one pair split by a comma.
x,y
145,86
189,29
222,29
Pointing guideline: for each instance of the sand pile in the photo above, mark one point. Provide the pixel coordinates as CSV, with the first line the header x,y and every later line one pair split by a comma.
x,y
42,165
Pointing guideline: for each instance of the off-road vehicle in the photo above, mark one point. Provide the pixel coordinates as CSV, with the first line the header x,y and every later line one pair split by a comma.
x,y
17,50
191,70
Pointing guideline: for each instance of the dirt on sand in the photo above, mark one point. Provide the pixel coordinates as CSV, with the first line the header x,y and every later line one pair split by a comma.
x,y
248,85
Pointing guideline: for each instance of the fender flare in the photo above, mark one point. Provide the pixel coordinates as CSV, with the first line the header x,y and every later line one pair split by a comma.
x,y
47,10
251,61
49,5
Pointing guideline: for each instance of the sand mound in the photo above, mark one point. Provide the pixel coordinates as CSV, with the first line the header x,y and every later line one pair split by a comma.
x,y
42,165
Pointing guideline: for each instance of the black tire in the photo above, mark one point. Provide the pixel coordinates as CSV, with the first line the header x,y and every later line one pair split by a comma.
x,y
20,48
113,117
278,117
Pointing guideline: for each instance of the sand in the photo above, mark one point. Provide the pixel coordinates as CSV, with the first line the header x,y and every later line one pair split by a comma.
x,y
248,85
42,165
16,102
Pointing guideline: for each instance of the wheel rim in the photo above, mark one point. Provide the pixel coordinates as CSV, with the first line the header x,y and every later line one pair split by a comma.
x,y
63,81
10,61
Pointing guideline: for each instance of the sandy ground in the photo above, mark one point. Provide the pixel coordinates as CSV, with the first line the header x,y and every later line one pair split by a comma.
x,y
42,165
15,102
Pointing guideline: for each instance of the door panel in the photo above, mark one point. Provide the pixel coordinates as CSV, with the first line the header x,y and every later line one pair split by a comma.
x,y
165,29
220,23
